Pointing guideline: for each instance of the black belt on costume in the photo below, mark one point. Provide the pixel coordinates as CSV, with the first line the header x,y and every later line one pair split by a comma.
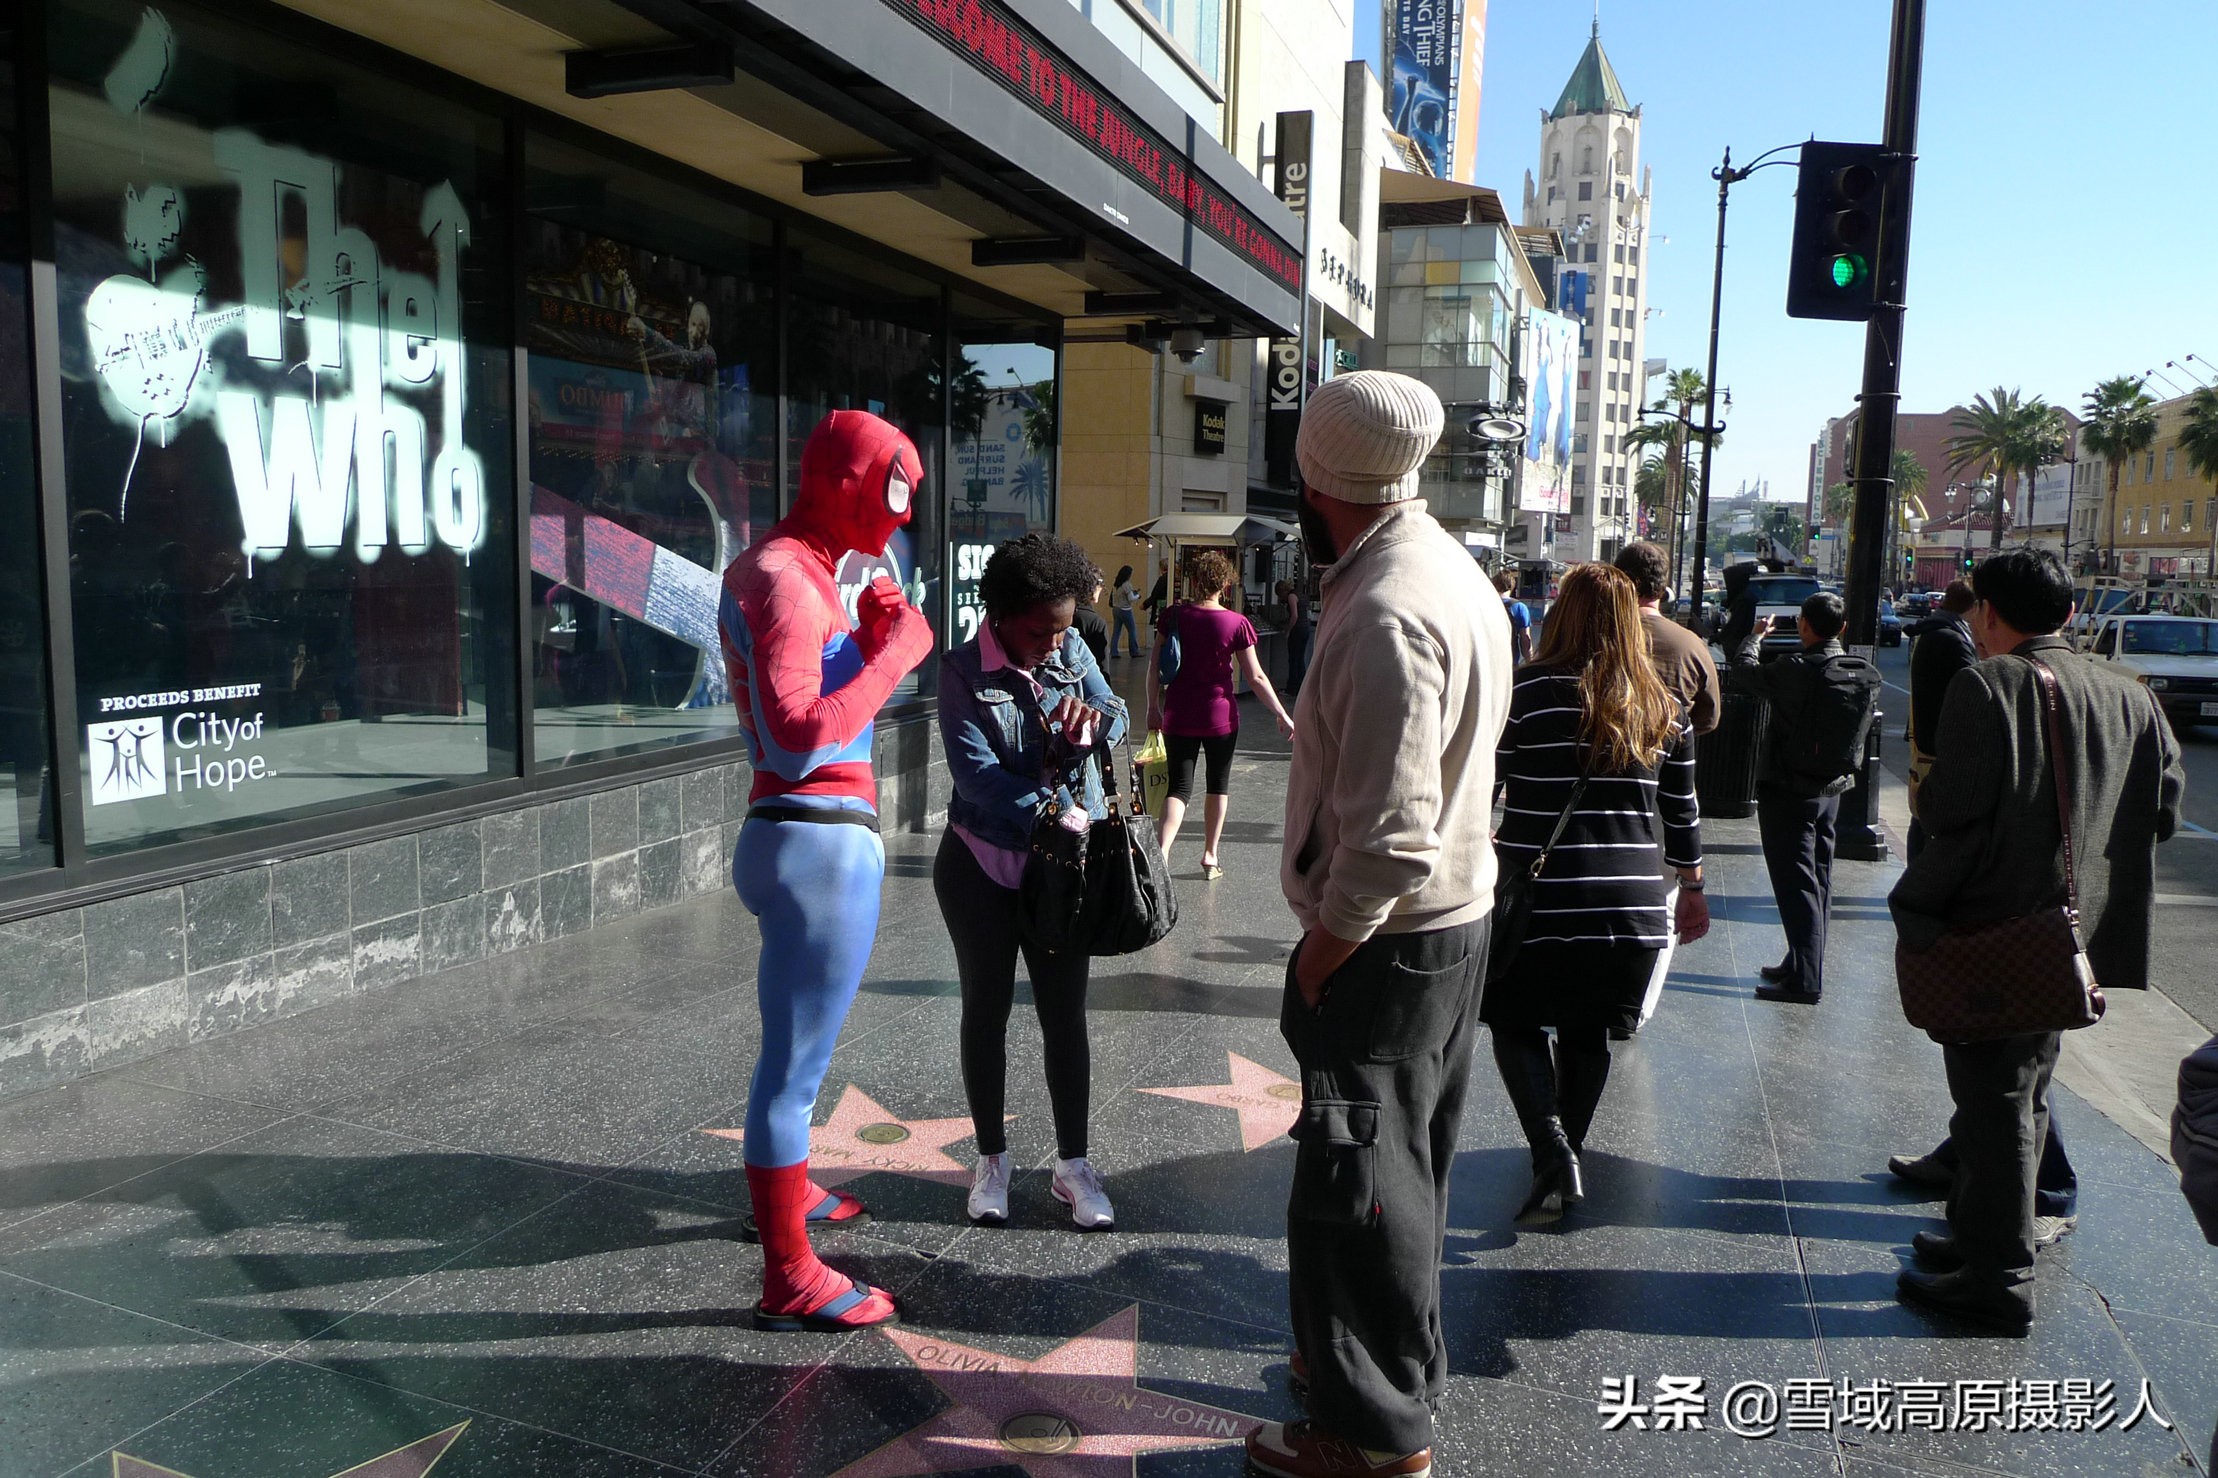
x,y
820,816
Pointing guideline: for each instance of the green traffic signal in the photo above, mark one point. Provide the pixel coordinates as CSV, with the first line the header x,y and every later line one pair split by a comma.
x,y
1849,269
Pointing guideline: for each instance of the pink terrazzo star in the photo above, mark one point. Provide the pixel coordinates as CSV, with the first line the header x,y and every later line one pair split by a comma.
x,y
1265,1101
861,1138
412,1461
1076,1412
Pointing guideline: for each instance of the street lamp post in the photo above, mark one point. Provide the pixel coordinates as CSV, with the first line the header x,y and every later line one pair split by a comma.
x,y
1726,177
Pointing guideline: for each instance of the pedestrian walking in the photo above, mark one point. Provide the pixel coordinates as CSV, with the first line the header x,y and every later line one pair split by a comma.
x,y
1995,850
1822,703
1942,646
1024,711
1087,622
1198,710
1520,617
1689,674
1389,868
1293,609
1595,747
1124,599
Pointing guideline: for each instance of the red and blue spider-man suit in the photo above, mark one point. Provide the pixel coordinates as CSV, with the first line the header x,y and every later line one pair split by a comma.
x,y
809,864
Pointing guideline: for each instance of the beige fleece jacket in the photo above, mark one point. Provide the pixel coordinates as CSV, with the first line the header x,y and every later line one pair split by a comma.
x,y
1390,798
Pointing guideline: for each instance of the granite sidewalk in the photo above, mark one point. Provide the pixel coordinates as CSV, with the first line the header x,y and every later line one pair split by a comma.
x,y
485,1219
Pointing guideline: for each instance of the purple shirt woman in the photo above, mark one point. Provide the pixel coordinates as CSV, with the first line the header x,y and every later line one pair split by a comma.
x,y
1199,710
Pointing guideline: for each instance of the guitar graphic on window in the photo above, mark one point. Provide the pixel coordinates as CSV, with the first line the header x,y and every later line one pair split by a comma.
x,y
149,344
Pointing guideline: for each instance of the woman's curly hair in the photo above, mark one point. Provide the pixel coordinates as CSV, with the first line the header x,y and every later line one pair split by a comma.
x,y
1034,570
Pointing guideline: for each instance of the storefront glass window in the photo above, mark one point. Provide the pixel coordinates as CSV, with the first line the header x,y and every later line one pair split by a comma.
x,y
652,336
863,336
1002,423
26,806
287,427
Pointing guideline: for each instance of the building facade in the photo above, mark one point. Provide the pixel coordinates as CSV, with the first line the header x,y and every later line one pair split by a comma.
x,y
1592,189
389,386
1460,310
1139,433
2163,519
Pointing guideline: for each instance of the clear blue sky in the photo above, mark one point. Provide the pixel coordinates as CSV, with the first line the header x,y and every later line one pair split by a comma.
x,y
2064,221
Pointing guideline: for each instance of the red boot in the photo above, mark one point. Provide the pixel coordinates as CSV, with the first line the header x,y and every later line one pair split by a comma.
x,y
798,1290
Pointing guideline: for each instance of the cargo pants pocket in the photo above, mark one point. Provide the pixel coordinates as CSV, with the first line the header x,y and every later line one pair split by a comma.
x,y
1414,1009
1336,1164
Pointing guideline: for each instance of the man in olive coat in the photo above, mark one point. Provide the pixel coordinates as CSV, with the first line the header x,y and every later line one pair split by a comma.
x,y
1994,851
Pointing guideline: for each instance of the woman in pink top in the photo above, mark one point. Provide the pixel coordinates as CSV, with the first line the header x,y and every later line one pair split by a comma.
x,y
1198,710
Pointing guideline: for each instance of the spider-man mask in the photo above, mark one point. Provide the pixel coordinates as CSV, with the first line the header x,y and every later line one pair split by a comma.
x,y
859,481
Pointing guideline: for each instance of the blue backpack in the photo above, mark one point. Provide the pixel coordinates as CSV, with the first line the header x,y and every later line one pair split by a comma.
x,y
1166,666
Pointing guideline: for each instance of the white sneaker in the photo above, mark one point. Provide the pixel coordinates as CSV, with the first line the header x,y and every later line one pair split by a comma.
x,y
1078,1185
989,1189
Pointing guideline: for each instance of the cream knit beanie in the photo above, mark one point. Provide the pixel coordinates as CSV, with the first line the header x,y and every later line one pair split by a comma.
x,y
1364,436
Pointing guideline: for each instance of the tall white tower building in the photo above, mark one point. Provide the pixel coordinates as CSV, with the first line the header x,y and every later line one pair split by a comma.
x,y
1589,161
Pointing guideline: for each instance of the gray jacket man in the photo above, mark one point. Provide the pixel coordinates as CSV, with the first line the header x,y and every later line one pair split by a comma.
x,y
1994,851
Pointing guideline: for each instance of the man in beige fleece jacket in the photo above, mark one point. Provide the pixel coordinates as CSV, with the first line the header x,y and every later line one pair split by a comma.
x,y
1389,866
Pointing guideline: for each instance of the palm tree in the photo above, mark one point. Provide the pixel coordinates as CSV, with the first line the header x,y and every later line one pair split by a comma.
x,y
1840,504
2002,434
2120,424
2198,440
1909,486
1652,489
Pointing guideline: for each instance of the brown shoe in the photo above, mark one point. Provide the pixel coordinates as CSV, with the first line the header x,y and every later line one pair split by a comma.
x,y
1304,1450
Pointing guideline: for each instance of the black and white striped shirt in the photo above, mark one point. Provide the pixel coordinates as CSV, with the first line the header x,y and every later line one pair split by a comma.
x,y
1604,882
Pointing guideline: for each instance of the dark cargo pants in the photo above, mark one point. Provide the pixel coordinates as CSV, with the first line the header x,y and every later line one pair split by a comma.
x,y
1385,1061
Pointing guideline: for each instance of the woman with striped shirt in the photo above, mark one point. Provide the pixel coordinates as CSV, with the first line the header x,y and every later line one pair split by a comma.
x,y
1588,705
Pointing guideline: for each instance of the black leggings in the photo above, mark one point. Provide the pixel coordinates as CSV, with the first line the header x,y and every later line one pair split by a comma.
x,y
982,921
1184,751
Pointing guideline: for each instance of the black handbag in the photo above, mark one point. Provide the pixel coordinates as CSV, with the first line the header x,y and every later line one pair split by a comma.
x,y
1103,891
1513,897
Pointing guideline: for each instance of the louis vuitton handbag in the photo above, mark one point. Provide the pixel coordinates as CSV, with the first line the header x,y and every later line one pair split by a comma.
x,y
2022,975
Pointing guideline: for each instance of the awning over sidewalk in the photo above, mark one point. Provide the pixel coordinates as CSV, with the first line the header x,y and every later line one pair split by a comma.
x,y
1212,528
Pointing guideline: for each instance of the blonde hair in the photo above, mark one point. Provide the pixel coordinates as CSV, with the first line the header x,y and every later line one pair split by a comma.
x,y
1212,574
1594,630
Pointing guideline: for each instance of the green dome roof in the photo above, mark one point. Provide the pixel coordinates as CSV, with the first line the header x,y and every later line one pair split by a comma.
x,y
1593,87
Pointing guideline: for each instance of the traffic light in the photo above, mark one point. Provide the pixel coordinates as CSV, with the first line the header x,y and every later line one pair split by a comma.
x,y
1967,562
1839,204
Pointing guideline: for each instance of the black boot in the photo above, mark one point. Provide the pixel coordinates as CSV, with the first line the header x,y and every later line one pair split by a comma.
x,y
1580,1078
1530,1077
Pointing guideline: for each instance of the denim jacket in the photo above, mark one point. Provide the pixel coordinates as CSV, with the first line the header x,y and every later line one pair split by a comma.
x,y
991,726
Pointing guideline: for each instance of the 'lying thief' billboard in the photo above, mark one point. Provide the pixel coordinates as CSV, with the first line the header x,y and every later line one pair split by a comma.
x,y
1422,35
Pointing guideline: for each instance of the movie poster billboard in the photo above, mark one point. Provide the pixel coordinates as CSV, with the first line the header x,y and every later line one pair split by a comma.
x,y
1421,37
1549,361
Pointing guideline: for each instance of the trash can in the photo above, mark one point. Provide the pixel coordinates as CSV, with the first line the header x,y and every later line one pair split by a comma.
x,y
1725,758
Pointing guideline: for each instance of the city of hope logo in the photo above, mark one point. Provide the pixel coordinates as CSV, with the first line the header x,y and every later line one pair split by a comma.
x,y
127,760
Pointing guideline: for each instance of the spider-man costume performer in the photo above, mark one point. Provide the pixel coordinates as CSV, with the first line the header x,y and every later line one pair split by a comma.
x,y
809,864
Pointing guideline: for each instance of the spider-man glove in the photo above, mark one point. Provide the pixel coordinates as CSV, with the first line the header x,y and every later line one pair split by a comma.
x,y
889,630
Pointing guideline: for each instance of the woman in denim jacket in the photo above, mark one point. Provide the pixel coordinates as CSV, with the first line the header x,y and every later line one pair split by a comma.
x,y
1023,707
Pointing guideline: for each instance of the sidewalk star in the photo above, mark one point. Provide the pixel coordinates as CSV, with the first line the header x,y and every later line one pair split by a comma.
x,y
1265,1101
413,1461
861,1138
1076,1412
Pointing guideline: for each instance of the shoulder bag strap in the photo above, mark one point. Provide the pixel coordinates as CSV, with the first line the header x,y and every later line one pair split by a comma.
x,y
1555,835
2049,707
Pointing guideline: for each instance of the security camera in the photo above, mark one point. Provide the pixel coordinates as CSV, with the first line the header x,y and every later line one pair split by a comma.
x,y
1187,344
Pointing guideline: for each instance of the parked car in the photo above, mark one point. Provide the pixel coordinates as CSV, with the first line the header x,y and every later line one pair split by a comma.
x,y
1890,625
1915,606
2175,656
